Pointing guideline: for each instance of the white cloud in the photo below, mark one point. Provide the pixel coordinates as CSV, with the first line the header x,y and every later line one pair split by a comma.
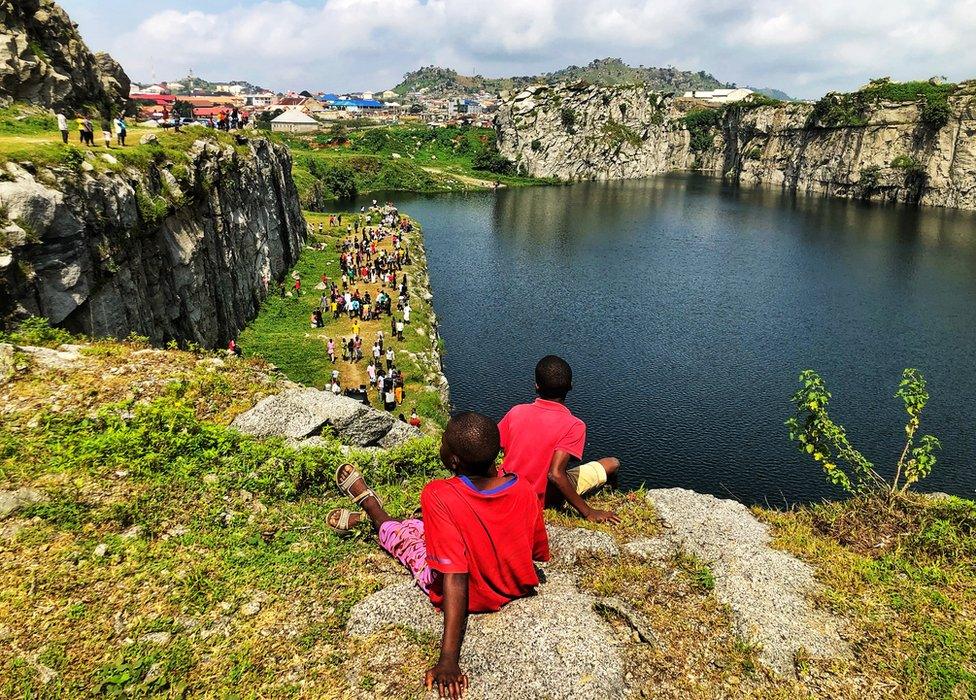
x,y
804,48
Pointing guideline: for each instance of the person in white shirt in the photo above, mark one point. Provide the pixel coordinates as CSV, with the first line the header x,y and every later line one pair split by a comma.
x,y
390,356
63,126
406,313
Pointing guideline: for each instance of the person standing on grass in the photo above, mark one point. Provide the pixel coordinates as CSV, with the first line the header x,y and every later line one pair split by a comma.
x,y
399,330
120,129
390,357
331,350
107,132
539,439
345,351
62,126
406,313
474,548
351,345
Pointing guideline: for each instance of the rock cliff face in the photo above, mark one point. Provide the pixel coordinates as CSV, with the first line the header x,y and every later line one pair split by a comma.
x,y
44,61
588,132
172,251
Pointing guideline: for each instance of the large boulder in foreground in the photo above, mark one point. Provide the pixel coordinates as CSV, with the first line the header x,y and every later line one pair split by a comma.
x,y
553,645
297,414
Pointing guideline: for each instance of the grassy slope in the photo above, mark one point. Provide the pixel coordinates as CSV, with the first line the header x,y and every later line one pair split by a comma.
x,y
281,332
432,159
905,575
29,134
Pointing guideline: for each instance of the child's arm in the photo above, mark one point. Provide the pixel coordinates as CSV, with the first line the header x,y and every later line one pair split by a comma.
x,y
446,675
558,477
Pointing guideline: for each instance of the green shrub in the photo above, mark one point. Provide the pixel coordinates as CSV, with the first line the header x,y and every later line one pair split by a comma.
x,y
37,330
701,124
567,116
616,134
491,160
817,435
850,109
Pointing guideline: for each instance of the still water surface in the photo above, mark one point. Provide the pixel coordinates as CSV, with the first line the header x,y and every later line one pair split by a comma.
x,y
687,308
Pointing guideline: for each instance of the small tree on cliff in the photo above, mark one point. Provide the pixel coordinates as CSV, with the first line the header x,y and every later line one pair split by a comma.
x,y
820,437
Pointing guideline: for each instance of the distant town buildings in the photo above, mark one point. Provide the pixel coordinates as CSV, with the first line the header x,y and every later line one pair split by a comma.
x,y
294,121
721,96
204,100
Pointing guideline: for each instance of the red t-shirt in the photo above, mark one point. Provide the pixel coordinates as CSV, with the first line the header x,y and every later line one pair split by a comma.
x,y
493,536
532,432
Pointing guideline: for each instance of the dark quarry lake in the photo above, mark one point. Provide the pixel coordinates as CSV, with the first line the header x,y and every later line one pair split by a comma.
x,y
687,309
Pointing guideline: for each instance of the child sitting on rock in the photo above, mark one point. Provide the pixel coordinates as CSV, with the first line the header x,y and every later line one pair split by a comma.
x,y
540,439
473,551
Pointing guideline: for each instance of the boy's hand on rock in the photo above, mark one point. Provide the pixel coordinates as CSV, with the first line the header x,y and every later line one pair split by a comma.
x,y
603,516
447,678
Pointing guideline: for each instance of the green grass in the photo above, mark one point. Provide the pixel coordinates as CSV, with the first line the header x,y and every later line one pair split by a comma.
x,y
281,332
905,575
197,520
431,159
851,109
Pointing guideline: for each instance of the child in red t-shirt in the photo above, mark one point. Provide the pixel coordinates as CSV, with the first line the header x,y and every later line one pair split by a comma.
x,y
474,549
540,438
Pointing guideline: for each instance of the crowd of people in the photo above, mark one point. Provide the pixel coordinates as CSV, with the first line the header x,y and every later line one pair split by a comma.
x,y
481,530
365,260
111,127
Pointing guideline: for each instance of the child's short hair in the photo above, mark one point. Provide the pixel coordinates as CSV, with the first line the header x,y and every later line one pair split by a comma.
x,y
554,377
475,440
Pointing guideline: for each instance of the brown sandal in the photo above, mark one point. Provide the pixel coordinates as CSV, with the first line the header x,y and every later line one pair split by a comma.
x,y
342,524
345,485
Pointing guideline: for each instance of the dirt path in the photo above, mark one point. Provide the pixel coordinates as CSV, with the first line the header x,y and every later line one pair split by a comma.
x,y
353,374
466,179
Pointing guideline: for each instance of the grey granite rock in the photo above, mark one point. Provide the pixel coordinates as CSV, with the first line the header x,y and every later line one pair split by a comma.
x,y
768,591
569,544
552,645
299,415
12,501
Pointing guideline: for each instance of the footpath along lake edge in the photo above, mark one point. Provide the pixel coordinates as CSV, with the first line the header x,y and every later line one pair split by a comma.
x,y
282,332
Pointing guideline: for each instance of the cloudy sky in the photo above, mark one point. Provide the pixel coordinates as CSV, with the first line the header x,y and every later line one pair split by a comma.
x,y
805,48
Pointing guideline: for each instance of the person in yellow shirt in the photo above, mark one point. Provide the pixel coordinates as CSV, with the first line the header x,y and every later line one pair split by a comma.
x,y
355,329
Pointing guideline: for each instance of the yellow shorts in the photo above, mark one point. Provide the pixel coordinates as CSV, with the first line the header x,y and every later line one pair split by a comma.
x,y
587,477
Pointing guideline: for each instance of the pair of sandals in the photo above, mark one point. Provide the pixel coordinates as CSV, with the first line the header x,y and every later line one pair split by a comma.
x,y
339,518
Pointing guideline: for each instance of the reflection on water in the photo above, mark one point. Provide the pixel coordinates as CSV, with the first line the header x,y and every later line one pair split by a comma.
x,y
687,309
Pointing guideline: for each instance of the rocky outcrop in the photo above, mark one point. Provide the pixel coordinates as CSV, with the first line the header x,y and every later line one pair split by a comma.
x,y
552,645
300,414
890,154
115,82
767,591
179,249
44,61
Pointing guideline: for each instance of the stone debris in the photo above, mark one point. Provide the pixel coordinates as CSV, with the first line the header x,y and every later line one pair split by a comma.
x,y
651,549
157,638
767,591
552,645
298,414
12,501
569,544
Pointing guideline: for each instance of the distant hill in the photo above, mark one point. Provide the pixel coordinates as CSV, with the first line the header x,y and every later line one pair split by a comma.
x,y
191,83
445,82
771,92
